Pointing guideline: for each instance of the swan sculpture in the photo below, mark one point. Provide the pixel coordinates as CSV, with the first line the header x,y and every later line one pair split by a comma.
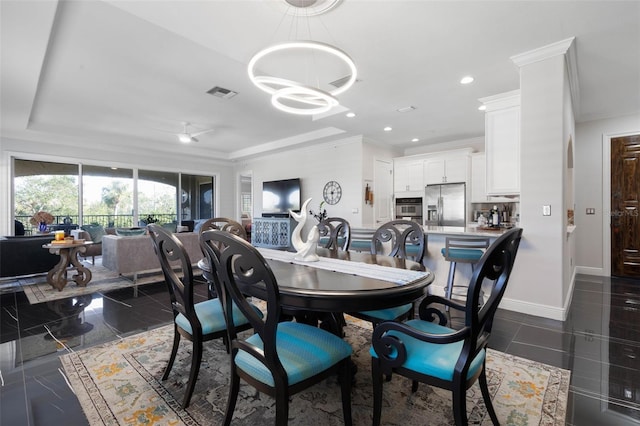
x,y
305,250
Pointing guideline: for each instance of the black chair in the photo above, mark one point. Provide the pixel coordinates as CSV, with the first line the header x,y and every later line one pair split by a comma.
x,y
281,358
335,233
399,238
433,353
224,224
196,322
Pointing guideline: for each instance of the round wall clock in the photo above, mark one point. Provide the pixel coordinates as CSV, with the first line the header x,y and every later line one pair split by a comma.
x,y
332,192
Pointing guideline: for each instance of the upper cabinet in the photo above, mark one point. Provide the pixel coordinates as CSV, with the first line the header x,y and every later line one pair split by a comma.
x,y
407,175
502,143
448,169
478,182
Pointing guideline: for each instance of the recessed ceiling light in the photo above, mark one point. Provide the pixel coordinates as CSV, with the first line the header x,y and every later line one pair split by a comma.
x,y
388,129
466,80
415,140
482,107
351,114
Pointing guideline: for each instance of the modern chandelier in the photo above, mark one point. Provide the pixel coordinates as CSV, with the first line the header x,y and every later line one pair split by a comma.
x,y
295,97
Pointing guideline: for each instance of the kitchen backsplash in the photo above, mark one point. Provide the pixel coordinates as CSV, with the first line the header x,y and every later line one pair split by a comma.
x,y
508,211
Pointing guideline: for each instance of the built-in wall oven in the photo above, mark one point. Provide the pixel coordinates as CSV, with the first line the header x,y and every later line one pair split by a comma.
x,y
409,209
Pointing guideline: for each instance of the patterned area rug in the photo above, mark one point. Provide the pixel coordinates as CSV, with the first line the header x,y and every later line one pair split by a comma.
x,y
38,290
119,384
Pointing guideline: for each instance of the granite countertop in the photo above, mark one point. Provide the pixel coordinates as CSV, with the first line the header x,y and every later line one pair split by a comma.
x,y
470,229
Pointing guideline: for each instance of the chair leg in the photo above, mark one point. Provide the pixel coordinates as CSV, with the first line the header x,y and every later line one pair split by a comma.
x,y
482,381
174,351
282,408
234,388
460,406
450,279
345,385
196,359
376,376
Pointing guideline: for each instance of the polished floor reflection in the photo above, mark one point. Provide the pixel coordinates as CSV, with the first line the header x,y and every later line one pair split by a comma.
x,y
599,343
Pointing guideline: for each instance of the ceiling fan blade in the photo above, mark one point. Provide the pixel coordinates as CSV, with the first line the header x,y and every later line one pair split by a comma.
x,y
193,139
202,132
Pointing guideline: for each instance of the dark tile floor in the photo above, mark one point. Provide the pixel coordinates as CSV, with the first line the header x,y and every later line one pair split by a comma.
x,y
599,343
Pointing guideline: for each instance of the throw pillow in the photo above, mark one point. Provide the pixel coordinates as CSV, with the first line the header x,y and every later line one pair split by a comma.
x,y
96,232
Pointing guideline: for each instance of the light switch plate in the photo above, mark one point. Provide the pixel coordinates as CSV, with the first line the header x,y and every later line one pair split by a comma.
x,y
546,210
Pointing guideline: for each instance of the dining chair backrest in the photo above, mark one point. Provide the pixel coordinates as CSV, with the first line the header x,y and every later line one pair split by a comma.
x,y
335,233
495,266
224,224
177,271
400,238
242,270
490,276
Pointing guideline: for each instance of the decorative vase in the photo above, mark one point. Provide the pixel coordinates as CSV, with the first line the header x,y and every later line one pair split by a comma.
x,y
42,227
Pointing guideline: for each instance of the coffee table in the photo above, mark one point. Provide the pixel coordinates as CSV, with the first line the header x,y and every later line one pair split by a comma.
x,y
68,252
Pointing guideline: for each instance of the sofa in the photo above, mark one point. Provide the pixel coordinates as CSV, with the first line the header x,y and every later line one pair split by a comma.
x,y
133,255
92,233
24,255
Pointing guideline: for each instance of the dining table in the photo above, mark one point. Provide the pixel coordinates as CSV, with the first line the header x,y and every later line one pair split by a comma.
x,y
341,281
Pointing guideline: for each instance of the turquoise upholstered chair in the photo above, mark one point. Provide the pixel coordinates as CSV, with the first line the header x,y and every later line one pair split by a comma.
x,y
281,358
433,353
196,322
462,249
399,238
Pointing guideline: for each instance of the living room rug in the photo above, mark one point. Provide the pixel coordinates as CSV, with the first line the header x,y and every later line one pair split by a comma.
x,y
38,290
118,383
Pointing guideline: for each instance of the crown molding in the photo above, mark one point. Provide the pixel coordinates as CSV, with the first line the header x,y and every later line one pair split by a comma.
x,y
565,47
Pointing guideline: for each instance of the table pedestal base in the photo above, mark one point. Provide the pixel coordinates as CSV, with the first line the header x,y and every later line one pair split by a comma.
x,y
57,277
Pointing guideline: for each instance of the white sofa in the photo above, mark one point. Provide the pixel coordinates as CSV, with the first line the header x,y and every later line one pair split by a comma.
x,y
134,255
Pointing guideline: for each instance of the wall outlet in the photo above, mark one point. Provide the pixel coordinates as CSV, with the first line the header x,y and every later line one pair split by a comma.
x,y
546,210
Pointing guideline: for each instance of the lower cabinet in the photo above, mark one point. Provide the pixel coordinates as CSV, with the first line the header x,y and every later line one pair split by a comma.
x,y
272,232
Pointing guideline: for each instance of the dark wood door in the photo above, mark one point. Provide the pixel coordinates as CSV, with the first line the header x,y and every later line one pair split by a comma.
x,y
625,207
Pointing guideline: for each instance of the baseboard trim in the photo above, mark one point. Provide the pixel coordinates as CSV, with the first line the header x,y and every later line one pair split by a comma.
x,y
535,309
589,270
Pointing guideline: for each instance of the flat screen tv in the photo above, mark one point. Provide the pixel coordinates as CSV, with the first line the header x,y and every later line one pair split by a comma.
x,y
279,196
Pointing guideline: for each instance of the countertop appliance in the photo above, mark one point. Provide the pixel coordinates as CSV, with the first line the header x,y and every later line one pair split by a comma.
x,y
409,208
446,204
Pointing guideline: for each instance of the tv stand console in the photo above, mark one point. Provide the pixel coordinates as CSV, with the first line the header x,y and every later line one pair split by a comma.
x,y
272,232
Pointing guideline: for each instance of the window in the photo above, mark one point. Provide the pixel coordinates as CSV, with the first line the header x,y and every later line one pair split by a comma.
x,y
111,197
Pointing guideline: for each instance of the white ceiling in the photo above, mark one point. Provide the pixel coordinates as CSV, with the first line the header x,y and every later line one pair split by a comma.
x,y
124,73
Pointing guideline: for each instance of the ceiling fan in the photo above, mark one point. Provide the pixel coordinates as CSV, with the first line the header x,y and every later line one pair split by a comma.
x,y
187,137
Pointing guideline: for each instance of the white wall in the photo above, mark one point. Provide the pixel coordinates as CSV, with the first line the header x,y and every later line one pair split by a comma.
x,y
107,156
589,168
568,134
315,166
536,285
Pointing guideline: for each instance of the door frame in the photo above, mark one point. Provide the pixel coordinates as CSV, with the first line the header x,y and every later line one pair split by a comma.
x,y
606,197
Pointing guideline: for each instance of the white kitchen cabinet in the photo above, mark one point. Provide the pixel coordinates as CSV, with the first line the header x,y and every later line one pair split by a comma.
x,y
448,169
478,182
407,175
502,143
478,176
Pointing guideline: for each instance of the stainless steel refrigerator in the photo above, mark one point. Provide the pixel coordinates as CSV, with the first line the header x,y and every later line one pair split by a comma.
x,y
445,204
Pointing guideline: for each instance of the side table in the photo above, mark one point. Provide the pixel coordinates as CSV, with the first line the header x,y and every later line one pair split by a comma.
x,y
68,252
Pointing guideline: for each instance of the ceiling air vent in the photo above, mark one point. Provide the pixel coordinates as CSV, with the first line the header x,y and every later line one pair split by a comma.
x,y
221,92
341,81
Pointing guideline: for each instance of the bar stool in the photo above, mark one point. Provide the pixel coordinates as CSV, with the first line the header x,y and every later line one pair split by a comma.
x,y
462,250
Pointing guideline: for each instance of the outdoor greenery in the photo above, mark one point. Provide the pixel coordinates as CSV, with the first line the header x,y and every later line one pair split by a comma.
x,y
58,195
